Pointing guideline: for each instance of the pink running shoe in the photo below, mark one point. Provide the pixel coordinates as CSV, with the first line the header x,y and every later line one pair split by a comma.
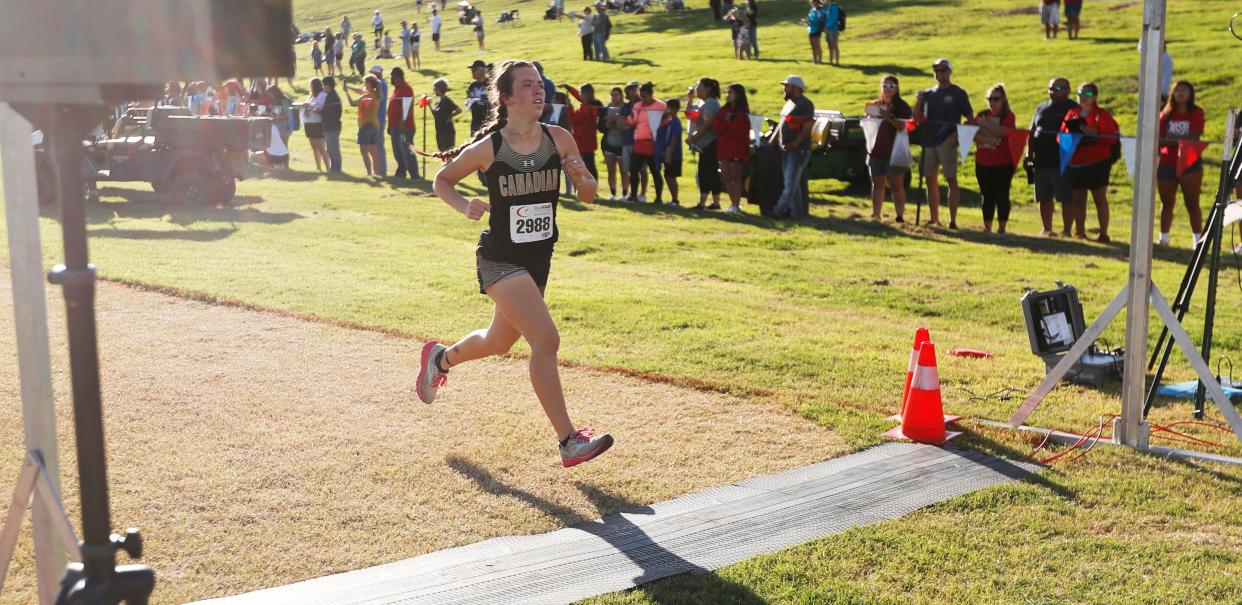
x,y
583,445
430,377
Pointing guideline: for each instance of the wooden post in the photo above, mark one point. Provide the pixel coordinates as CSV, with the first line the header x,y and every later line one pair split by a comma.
x,y
21,206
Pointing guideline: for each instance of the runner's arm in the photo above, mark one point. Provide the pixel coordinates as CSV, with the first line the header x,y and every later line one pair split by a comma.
x,y
573,165
474,158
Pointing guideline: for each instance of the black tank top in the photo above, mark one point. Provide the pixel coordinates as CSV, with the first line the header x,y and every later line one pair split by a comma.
x,y
523,190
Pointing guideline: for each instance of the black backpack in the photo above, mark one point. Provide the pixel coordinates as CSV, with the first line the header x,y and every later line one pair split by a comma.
x,y
840,18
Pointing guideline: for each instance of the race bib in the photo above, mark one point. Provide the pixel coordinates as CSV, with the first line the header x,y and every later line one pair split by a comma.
x,y
530,223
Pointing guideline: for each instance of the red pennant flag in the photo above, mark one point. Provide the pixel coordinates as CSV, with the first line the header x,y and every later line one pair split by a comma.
x,y
1016,139
425,101
1188,152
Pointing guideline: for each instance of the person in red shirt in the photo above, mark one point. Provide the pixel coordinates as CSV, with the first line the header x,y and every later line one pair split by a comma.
x,y
994,165
584,121
732,127
1180,120
401,125
1092,160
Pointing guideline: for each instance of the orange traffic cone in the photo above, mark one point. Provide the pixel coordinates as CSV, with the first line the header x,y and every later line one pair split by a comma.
x,y
923,420
921,335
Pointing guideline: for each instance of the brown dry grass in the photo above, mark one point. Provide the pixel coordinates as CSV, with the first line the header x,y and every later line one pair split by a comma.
x,y
255,449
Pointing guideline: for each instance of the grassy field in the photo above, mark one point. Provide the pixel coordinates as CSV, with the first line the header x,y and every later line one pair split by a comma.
x,y
815,315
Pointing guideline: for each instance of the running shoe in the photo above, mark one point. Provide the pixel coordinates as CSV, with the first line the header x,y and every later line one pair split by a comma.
x,y
733,210
430,377
584,445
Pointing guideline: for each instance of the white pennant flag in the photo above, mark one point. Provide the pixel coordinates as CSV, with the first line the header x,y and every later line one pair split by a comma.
x,y
1127,154
277,145
653,120
965,137
406,104
901,155
756,126
871,128
556,113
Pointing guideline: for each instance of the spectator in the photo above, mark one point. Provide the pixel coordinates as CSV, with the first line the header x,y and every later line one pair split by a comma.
x,y
478,27
614,146
405,44
358,55
386,52
476,95
346,26
943,106
1044,157
1050,16
741,33
668,148
549,88
586,33
832,31
377,23
794,139
332,123
400,126
368,105
752,20
814,27
418,6
1091,163
627,148
584,122
329,51
436,21
1180,120
702,139
278,106
338,53
416,42
317,58
644,157
382,167
312,118
173,94
732,127
885,173
603,29
443,110
716,13
993,164
1073,8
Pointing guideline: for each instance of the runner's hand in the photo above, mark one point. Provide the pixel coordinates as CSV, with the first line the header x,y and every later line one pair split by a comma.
x,y
476,208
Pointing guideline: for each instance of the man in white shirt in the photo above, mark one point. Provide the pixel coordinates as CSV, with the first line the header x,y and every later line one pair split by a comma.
x,y
435,27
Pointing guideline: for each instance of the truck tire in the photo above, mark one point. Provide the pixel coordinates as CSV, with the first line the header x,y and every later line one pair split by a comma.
x,y
223,189
190,188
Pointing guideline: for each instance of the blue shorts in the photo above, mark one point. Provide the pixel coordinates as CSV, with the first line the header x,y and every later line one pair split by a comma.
x,y
368,135
1072,10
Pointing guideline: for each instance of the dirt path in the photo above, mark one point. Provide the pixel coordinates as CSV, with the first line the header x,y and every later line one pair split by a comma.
x,y
255,449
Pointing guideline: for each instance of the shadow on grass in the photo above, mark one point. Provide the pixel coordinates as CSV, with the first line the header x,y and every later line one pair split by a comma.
x,y
101,216
655,561
1006,453
888,68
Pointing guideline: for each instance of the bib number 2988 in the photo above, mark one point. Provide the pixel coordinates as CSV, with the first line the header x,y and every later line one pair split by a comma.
x,y
530,223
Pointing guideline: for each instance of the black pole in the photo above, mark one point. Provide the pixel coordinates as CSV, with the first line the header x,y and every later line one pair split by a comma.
x,y
1218,232
97,580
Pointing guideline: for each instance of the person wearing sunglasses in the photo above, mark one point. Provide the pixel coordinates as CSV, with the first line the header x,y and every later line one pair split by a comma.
x,y
993,164
1043,156
1180,120
944,106
892,109
1092,160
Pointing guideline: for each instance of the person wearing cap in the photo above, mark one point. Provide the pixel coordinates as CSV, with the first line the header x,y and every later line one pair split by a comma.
x,y
1043,156
794,140
603,30
1092,160
358,55
944,106
436,22
476,95
382,167
400,126
443,110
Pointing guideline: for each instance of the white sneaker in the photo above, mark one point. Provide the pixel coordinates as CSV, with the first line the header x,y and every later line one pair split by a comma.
x,y
733,210
642,199
430,378
584,445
